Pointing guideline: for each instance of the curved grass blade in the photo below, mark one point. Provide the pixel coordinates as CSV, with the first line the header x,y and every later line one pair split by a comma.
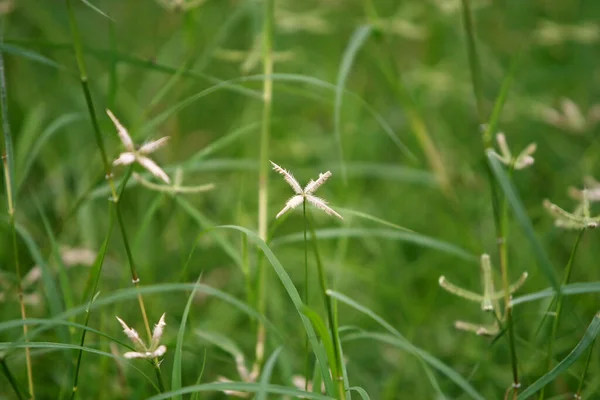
x,y
410,237
359,36
567,290
588,338
361,392
177,359
512,197
242,387
96,9
30,55
296,300
369,217
324,333
396,338
33,152
266,375
428,358
66,346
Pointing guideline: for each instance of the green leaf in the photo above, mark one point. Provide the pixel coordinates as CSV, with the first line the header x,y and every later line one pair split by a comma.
x,y
266,375
359,36
397,339
324,334
96,9
588,338
512,197
361,392
296,300
410,237
177,358
567,290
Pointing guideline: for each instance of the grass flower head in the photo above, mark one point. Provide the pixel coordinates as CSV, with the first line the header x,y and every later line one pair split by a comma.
x,y
140,155
154,350
305,194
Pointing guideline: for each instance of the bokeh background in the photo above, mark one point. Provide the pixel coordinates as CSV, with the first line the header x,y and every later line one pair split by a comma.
x,y
379,83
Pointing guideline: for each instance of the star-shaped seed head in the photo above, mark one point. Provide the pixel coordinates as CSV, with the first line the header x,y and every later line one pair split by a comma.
x,y
523,160
305,194
154,350
132,154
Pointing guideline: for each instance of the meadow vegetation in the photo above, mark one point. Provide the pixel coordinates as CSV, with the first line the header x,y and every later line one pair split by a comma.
x,y
435,241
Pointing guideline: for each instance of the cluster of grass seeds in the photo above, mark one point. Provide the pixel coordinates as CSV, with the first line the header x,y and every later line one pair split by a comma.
x,y
341,303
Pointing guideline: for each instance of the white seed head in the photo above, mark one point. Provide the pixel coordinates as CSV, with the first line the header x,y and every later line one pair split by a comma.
x,y
131,334
151,147
289,178
158,331
153,168
125,159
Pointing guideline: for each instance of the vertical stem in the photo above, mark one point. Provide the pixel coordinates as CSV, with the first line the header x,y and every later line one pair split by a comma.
x,y
307,363
263,171
338,362
502,251
559,306
77,47
473,58
6,147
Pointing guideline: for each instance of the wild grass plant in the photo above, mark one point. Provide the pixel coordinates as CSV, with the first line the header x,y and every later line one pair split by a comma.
x,y
136,146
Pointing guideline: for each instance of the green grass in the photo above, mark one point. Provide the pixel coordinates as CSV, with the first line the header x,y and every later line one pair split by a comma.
x,y
390,97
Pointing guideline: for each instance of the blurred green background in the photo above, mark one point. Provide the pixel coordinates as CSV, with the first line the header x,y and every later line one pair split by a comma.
x,y
410,68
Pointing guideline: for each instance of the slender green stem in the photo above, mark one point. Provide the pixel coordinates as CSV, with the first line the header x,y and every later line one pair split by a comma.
x,y
6,149
502,251
263,171
587,364
307,363
473,58
559,307
77,47
10,377
337,367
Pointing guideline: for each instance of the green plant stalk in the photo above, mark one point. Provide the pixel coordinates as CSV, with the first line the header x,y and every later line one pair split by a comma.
x,y
263,171
77,47
92,293
307,363
135,278
6,147
10,377
337,366
474,66
587,364
559,306
502,251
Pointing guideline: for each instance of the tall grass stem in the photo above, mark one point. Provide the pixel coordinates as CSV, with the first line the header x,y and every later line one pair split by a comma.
x,y
263,169
6,147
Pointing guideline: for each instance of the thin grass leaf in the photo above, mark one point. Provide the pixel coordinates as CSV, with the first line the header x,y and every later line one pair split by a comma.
x,y
30,55
396,338
512,197
262,393
361,392
410,237
196,396
428,358
587,340
296,300
30,155
358,38
242,387
178,357
96,9
324,334
369,217
222,342
66,346
567,290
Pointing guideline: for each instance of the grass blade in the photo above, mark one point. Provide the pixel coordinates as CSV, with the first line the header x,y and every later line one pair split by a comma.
x,y
512,197
588,338
266,375
177,359
360,35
